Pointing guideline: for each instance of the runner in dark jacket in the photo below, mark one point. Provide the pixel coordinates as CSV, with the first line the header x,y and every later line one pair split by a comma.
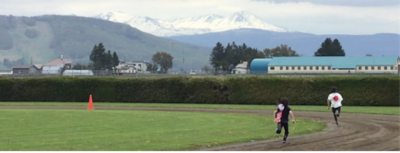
x,y
284,120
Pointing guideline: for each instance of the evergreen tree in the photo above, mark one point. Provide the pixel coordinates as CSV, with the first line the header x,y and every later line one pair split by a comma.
x,y
108,60
115,60
101,51
217,56
10,63
330,48
97,57
337,48
252,53
261,54
238,51
102,60
227,58
93,55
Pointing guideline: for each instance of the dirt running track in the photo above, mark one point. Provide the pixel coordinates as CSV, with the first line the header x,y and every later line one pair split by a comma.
x,y
356,132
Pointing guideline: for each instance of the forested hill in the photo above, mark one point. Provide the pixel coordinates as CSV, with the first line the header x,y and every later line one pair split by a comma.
x,y
44,38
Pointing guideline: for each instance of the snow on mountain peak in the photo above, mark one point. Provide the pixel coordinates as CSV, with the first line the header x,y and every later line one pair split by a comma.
x,y
191,25
243,19
116,16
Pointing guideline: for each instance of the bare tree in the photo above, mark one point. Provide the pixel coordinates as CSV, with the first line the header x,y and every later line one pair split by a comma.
x,y
206,68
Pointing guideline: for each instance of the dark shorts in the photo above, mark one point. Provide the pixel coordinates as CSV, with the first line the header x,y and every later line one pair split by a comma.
x,y
334,109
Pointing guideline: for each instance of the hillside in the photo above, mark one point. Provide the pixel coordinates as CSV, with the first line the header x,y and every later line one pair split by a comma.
x,y
45,38
304,43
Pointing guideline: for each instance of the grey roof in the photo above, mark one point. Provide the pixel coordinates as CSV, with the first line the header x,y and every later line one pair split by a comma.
x,y
38,66
132,62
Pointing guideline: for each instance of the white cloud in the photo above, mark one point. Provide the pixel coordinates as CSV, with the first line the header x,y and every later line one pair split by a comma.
x,y
329,16
354,3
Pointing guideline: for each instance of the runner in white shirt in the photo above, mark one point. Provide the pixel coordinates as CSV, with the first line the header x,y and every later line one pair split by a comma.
x,y
335,101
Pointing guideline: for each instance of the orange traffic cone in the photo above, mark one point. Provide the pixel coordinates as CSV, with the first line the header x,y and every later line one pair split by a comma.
x,y
90,107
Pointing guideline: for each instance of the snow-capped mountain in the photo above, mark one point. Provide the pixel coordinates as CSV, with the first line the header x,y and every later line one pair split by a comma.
x,y
191,25
117,16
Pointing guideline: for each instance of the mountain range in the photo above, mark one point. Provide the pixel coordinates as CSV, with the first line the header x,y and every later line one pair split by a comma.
x,y
305,44
194,25
244,27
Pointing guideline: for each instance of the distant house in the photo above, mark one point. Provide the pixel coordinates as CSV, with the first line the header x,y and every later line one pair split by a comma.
x,y
56,66
241,68
133,67
26,70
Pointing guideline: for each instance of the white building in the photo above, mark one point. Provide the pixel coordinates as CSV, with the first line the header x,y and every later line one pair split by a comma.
x,y
133,67
334,64
241,68
26,70
326,64
56,66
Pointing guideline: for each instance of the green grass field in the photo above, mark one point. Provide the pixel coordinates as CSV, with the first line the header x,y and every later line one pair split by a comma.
x,y
345,109
115,130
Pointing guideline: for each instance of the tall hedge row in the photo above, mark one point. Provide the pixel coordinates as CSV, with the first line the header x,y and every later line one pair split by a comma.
x,y
356,91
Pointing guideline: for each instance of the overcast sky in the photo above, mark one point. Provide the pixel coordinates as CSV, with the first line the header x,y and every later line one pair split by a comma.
x,y
313,16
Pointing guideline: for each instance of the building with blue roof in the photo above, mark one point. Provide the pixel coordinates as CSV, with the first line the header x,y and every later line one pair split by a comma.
x,y
326,64
259,66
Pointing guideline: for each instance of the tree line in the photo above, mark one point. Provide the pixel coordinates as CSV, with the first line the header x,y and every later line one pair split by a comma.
x,y
100,59
226,58
10,63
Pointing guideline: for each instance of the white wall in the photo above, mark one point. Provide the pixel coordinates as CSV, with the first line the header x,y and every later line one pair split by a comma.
x,y
300,69
53,69
137,65
377,69
142,66
130,70
239,71
325,69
